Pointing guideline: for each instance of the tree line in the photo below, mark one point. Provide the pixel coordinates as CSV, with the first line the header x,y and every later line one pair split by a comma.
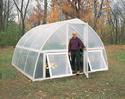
x,y
105,16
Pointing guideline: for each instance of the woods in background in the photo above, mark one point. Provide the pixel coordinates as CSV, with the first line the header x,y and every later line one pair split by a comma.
x,y
105,16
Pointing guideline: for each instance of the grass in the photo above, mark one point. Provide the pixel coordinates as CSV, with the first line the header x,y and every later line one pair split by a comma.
x,y
101,85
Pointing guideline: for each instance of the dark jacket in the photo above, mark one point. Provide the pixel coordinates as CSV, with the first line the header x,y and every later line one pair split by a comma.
x,y
75,44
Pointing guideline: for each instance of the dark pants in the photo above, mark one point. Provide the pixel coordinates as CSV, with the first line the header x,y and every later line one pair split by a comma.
x,y
76,61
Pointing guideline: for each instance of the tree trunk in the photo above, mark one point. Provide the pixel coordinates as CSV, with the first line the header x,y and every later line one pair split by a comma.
x,y
7,16
1,16
95,13
22,26
45,12
22,11
116,31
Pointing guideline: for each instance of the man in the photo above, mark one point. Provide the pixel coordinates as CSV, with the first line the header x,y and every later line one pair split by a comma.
x,y
75,45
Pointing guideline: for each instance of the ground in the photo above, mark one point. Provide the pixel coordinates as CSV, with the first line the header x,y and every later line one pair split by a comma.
x,y
101,85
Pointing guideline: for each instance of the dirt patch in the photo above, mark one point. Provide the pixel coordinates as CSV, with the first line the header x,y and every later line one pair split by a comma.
x,y
5,49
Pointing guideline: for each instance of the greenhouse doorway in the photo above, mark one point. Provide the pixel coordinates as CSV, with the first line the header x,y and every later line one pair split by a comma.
x,y
81,65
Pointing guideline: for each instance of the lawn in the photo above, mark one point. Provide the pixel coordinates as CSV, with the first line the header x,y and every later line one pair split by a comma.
x,y
101,85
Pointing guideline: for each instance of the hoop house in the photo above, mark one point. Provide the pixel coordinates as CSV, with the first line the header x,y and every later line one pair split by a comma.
x,y
42,53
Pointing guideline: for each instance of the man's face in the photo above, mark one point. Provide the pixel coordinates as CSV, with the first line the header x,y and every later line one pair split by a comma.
x,y
74,35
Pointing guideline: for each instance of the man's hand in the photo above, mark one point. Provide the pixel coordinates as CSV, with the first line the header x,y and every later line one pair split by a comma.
x,y
85,48
69,53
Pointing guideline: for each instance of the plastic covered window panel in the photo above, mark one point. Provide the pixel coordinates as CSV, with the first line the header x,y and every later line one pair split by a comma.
x,y
94,40
28,37
96,61
30,63
57,40
25,38
32,39
39,68
37,36
58,65
42,36
22,58
16,56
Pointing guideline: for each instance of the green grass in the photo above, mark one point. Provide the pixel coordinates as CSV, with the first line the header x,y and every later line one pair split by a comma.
x,y
10,36
101,85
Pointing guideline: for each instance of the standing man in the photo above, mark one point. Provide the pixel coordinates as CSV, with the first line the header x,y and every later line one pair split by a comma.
x,y
75,45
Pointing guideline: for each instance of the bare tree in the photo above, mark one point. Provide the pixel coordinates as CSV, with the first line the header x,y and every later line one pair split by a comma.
x,y
97,13
22,8
45,12
1,16
7,13
117,21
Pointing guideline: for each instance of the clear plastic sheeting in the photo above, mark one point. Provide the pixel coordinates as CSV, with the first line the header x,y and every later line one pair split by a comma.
x,y
22,58
49,44
57,40
96,61
36,37
39,67
16,56
93,39
59,65
30,63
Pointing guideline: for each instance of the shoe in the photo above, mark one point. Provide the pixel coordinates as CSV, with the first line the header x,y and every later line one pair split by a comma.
x,y
74,72
81,71
78,73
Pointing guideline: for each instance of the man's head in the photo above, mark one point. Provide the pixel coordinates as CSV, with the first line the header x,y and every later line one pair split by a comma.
x,y
74,34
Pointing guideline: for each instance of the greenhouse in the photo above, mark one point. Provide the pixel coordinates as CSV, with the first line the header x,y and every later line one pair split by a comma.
x,y
42,53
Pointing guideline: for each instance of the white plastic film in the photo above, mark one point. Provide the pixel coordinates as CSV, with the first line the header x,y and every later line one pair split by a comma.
x,y
59,65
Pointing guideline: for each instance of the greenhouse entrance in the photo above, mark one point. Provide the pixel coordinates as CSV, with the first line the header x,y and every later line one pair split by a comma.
x,y
81,66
